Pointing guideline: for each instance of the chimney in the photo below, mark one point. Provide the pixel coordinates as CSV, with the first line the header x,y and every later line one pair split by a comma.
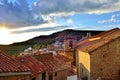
x,y
88,35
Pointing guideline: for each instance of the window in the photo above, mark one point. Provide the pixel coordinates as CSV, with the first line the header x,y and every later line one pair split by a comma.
x,y
44,76
70,44
55,74
50,77
82,70
34,78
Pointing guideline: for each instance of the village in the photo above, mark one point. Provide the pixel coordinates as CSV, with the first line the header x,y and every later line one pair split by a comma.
x,y
90,58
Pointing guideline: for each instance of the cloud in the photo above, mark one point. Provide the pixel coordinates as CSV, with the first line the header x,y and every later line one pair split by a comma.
x,y
56,28
17,14
41,28
69,21
112,26
111,20
61,7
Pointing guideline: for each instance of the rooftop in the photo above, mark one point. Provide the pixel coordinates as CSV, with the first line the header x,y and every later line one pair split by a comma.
x,y
8,64
33,64
96,41
51,62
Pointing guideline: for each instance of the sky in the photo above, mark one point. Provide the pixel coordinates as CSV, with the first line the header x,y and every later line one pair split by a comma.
x,y
21,20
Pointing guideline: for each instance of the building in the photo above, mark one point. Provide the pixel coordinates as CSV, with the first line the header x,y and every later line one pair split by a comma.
x,y
55,46
70,43
98,57
56,69
63,59
37,69
10,69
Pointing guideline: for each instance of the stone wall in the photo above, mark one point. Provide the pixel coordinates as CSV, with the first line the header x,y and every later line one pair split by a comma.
x,y
105,61
60,75
67,44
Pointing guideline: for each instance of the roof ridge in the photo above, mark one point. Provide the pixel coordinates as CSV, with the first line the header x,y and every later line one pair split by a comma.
x,y
105,37
11,65
110,32
105,33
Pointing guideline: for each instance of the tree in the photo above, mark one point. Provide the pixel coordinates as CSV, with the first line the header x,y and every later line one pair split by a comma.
x,y
36,46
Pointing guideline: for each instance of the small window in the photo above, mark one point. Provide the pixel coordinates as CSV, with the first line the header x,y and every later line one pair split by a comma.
x,y
44,76
70,44
55,74
34,78
82,70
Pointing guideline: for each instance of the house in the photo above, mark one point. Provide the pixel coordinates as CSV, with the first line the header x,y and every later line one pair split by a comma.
x,y
37,69
66,61
98,57
10,69
56,69
63,59
55,46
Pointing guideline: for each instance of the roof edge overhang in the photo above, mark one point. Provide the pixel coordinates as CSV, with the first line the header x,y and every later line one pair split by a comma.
x,y
15,73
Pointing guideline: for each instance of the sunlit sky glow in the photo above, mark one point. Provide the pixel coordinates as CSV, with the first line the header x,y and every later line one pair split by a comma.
x,y
21,20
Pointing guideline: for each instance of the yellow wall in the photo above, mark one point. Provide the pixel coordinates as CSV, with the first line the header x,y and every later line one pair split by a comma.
x,y
83,64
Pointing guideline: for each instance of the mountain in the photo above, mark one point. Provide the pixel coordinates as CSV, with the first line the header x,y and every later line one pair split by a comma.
x,y
59,36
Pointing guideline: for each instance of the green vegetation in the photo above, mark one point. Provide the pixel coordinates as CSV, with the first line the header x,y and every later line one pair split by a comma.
x,y
13,49
40,45
18,48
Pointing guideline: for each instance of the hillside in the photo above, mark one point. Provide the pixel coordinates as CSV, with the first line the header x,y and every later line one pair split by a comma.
x,y
18,47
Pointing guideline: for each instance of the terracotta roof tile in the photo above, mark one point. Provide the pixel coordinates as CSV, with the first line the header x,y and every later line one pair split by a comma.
x,y
7,64
62,58
33,64
51,62
96,41
66,61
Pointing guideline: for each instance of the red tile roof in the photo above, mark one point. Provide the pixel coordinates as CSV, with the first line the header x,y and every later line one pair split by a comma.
x,y
37,53
7,64
33,64
96,41
51,62
62,58
66,61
